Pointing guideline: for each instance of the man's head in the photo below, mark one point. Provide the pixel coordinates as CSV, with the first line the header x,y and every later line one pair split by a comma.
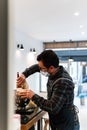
x,y
48,61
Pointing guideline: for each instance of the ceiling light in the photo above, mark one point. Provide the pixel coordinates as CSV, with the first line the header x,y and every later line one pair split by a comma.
x,y
82,33
18,46
81,26
76,13
71,59
83,63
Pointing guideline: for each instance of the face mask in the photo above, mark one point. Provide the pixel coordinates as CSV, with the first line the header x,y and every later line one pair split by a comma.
x,y
45,73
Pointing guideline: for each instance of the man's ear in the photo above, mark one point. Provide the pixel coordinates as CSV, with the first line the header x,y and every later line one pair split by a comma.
x,y
51,67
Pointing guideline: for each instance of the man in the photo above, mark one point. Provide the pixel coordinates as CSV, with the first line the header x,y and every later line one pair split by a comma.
x,y
60,92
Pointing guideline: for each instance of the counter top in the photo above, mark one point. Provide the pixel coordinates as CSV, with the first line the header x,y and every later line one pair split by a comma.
x,y
28,120
25,118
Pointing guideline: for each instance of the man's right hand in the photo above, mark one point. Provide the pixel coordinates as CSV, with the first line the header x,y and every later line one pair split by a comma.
x,y
20,80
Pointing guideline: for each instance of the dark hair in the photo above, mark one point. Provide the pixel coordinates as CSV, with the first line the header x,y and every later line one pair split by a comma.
x,y
48,57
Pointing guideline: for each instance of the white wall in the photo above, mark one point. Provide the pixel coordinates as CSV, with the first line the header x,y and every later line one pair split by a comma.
x,y
16,63
22,60
11,62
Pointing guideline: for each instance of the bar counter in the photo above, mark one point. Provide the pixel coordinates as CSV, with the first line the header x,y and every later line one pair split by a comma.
x,y
27,121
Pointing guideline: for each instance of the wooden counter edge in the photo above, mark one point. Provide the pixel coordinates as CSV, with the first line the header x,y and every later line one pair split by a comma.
x,y
34,120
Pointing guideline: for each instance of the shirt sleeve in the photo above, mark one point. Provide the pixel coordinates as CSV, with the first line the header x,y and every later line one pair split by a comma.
x,y
33,69
57,100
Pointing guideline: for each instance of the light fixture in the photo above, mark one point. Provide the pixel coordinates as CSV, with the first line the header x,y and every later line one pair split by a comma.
x,y
71,59
32,50
20,46
84,63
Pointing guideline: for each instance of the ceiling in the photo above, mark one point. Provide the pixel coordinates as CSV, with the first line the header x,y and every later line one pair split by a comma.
x,y
49,20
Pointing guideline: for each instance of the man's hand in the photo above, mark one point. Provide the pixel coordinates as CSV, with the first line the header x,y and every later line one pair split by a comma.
x,y
27,94
20,80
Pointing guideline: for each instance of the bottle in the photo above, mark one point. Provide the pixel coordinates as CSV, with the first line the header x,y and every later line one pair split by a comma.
x,y
24,85
17,77
17,74
18,88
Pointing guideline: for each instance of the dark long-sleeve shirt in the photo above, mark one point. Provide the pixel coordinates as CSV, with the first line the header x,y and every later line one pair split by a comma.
x,y
60,94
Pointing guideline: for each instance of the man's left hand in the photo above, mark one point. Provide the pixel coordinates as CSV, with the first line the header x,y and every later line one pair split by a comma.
x,y
27,94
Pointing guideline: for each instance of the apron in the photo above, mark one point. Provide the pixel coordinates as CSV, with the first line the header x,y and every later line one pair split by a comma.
x,y
66,119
